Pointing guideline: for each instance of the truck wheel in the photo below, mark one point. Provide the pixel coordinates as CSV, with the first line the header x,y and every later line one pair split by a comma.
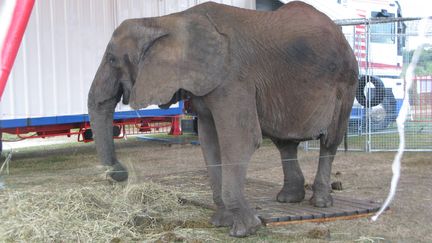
x,y
385,113
377,93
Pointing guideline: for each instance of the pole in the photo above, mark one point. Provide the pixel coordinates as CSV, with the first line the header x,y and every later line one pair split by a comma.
x,y
14,16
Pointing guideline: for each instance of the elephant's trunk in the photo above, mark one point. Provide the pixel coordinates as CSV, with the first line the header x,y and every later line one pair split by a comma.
x,y
101,119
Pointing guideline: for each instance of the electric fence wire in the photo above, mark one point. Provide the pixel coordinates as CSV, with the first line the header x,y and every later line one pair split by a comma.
x,y
107,169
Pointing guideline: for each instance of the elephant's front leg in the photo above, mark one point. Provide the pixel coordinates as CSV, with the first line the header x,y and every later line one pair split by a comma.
x,y
210,148
239,136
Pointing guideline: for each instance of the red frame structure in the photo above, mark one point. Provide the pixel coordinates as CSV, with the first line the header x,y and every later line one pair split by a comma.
x,y
422,109
170,124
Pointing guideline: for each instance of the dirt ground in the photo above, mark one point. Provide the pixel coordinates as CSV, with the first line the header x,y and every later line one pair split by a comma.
x,y
363,176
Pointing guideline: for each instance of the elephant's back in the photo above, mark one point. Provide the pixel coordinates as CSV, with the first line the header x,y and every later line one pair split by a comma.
x,y
299,8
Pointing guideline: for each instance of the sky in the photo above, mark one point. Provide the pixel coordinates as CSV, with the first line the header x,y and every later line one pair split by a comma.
x,y
416,8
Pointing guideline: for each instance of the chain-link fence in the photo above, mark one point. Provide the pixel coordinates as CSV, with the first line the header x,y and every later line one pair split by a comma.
x,y
383,52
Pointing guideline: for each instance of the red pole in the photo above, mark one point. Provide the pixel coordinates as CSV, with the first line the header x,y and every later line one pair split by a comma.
x,y
175,126
12,39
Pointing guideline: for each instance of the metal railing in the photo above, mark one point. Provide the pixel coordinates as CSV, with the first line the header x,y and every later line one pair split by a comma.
x,y
373,127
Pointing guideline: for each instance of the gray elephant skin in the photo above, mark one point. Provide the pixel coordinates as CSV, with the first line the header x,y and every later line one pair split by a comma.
x,y
289,75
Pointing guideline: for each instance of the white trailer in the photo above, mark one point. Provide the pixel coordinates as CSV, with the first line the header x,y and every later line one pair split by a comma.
x,y
46,92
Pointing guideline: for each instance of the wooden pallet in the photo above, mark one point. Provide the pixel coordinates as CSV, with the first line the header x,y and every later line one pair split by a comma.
x,y
261,196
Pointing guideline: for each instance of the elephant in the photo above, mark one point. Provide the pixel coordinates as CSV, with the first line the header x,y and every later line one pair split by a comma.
x,y
289,75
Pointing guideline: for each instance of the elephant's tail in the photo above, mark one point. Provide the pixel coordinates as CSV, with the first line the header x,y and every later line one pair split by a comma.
x,y
346,141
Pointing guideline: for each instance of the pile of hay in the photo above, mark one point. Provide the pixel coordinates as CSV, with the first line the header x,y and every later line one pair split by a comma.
x,y
98,212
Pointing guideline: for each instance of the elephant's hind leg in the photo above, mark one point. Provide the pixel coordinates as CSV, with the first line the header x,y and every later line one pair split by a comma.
x,y
293,188
322,185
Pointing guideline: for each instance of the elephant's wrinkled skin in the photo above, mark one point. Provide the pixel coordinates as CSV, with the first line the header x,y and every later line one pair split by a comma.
x,y
288,74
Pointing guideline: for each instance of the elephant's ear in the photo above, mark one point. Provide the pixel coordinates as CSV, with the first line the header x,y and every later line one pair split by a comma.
x,y
191,56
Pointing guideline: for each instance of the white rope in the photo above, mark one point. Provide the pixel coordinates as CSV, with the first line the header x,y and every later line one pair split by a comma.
x,y
107,170
400,121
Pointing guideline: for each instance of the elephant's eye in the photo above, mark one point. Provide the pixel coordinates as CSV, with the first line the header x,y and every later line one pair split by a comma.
x,y
111,59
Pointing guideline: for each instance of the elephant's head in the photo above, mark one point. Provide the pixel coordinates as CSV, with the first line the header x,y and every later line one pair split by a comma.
x,y
146,62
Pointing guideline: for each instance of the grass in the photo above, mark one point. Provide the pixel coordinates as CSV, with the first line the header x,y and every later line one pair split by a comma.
x,y
50,164
54,197
418,136
44,201
184,138
10,137
388,141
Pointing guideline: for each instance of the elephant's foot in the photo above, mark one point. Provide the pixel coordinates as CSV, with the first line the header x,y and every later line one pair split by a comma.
x,y
245,223
118,173
291,196
222,218
321,200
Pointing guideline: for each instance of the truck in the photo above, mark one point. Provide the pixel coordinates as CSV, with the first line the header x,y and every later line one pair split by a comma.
x,y
379,50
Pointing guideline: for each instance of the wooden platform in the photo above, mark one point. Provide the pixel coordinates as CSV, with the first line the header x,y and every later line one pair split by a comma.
x,y
261,196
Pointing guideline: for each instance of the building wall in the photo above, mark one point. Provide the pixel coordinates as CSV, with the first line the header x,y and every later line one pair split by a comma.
x,y
62,48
